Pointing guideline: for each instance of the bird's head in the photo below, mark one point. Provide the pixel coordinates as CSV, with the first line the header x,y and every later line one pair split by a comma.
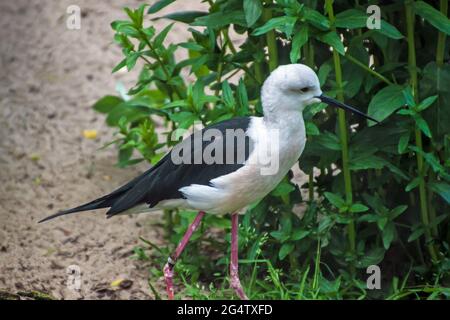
x,y
292,87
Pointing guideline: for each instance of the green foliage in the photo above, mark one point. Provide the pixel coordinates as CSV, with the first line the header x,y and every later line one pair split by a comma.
x,y
380,194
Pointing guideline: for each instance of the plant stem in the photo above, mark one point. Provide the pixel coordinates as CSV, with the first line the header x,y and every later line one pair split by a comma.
x,y
315,284
228,41
308,52
258,72
220,70
271,40
368,69
440,49
343,134
168,217
410,18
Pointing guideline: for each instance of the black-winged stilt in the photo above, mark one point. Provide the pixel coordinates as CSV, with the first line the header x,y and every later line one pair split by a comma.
x,y
220,171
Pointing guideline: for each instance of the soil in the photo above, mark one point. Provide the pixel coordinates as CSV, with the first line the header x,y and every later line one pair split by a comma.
x,y
50,78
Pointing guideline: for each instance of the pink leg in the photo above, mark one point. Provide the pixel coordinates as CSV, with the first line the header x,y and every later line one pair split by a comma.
x,y
234,265
168,268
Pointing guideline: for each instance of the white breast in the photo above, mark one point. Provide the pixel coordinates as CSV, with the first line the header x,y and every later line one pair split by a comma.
x,y
283,142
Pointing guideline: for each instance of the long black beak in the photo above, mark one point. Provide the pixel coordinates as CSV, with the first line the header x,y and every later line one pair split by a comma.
x,y
336,103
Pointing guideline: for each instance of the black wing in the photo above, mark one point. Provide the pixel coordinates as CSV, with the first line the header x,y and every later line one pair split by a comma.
x,y
163,181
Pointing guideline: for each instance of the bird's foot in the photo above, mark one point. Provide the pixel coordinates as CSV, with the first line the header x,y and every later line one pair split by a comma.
x,y
168,276
236,285
234,263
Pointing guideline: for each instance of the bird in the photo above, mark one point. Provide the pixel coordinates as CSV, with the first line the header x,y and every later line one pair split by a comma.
x,y
227,166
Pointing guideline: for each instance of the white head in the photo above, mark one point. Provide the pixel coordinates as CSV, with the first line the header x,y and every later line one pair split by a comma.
x,y
290,88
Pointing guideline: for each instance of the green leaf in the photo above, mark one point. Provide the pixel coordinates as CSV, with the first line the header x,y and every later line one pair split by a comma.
x,y
176,103
409,99
442,189
351,19
242,98
124,156
159,39
406,112
369,218
388,235
300,38
311,129
435,222
299,234
284,23
331,38
252,10
158,5
221,19
183,16
106,104
403,142
280,236
197,95
117,24
139,15
120,65
413,184
273,23
431,159
397,211
185,119
191,46
426,103
389,30
416,234
126,111
335,200
433,16
423,126
329,141
131,60
367,161
396,170
385,102
324,71
227,94
282,189
126,28
285,250
374,256
324,224
358,207
316,19
382,221
149,32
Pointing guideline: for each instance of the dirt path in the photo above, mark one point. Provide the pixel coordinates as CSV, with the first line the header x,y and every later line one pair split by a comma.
x,y
50,78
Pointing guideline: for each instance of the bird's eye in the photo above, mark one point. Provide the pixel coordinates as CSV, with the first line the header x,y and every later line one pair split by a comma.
x,y
304,90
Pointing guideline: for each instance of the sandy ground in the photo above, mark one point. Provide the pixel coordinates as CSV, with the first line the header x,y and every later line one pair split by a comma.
x,y
50,77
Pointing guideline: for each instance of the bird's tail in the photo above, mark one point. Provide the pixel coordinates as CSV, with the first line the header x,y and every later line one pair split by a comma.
x,y
103,202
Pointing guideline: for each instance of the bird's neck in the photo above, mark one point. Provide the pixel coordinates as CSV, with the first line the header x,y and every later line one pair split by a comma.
x,y
287,129
287,120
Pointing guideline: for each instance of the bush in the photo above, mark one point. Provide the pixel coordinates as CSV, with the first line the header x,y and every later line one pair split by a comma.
x,y
376,194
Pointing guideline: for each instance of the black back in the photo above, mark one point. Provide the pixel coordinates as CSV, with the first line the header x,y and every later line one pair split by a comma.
x,y
163,181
